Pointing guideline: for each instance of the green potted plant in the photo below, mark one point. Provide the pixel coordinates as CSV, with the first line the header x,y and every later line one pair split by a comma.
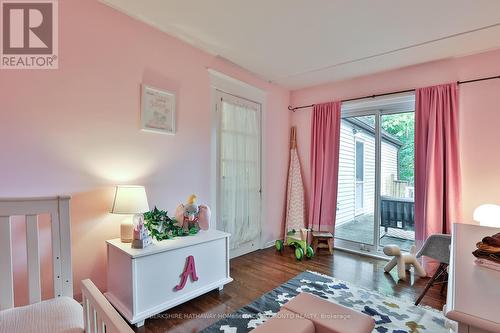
x,y
161,226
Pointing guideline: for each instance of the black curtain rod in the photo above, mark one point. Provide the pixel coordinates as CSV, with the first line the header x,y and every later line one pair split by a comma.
x,y
392,93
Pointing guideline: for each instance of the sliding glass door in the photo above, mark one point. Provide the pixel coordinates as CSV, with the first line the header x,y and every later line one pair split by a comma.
x,y
375,204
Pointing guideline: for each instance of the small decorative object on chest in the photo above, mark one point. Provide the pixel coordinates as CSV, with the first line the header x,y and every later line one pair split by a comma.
x,y
141,237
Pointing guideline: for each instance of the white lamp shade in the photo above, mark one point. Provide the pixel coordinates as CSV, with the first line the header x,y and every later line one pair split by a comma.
x,y
487,215
130,200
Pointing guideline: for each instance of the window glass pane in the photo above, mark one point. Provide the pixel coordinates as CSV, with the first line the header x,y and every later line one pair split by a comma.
x,y
356,183
397,208
359,195
359,160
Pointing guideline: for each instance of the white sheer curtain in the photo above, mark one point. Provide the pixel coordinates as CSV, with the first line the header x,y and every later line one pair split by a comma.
x,y
240,169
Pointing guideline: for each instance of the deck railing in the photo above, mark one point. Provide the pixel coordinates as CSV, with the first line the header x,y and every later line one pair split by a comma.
x,y
397,213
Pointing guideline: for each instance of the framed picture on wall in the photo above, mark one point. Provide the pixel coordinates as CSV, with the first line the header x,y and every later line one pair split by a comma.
x,y
157,110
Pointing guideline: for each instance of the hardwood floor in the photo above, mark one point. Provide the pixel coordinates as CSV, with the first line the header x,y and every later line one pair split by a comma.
x,y
259,272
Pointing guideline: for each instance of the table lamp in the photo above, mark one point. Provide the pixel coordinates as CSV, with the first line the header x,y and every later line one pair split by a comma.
x,y
129,200
487,215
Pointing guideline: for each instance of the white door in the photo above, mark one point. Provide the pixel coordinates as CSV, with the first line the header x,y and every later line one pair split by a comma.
x,y
239,172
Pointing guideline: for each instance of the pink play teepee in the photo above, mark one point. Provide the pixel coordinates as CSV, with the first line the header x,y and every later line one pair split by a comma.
x,y
295,208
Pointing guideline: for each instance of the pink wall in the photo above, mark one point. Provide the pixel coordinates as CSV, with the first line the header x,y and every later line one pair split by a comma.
x,y
479,116
75,130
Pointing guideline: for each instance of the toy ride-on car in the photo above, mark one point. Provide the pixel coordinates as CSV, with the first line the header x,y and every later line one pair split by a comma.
x,y
297,240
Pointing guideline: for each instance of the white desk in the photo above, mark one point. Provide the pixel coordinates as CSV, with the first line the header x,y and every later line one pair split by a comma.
x,y
473,292
141,282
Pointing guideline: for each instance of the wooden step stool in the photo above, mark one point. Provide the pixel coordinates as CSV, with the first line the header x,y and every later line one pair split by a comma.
x,y
322,240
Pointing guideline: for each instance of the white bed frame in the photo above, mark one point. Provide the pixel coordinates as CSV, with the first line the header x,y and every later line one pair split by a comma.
x,y
97,311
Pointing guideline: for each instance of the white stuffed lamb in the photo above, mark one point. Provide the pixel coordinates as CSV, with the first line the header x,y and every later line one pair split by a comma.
x,y
403,261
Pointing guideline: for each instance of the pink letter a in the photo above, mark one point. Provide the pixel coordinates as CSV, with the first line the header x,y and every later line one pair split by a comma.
x,y
189,270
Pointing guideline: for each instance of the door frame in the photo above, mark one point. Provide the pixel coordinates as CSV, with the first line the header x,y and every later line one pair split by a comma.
x,y
252,245
377,108
220,82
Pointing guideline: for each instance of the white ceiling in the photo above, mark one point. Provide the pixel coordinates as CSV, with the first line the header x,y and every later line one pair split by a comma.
x,y
300,43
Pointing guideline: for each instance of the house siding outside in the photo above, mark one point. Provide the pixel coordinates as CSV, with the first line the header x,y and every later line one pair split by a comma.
x,y
346,210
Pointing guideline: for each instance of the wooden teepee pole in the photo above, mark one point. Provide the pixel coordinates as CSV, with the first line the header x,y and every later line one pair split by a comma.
x,y
293,138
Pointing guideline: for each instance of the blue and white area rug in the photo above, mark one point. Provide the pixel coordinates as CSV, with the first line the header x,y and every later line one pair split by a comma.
x,y
391,315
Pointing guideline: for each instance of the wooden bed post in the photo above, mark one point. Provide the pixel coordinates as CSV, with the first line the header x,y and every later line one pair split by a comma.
x,y
65,232
6,276
32,250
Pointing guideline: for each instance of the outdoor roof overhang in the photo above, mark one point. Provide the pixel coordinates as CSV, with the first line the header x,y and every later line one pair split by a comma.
x,y
366,127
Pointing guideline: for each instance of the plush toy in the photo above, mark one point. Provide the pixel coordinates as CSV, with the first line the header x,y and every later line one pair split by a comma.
x,y
191,209
191,215
204,216
179,215
403,261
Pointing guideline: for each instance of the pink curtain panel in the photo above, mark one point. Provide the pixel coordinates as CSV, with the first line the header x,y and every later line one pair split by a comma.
x,y
437,161
325,141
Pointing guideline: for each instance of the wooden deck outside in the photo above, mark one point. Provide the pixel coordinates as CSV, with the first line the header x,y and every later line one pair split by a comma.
x,y
361,230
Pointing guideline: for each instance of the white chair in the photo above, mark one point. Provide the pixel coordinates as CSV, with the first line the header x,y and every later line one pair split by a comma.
x,y
437,247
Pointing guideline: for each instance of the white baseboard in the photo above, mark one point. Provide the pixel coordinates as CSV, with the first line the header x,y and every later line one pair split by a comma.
x,y
363,253
269,244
